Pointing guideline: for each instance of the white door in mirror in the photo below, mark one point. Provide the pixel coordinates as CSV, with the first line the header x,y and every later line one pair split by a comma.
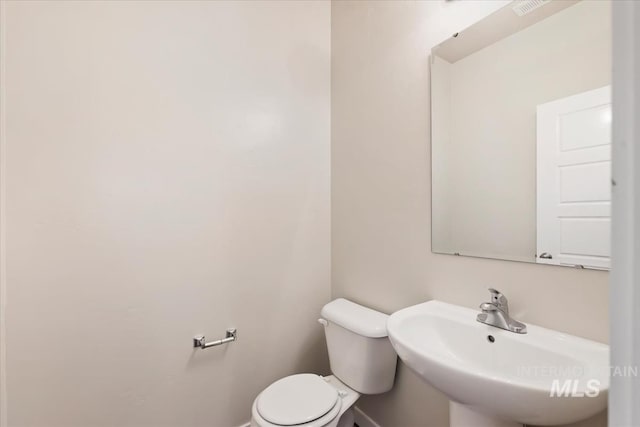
x,y
574,180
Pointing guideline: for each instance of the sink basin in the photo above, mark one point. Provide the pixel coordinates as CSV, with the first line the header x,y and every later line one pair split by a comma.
x,y
497,376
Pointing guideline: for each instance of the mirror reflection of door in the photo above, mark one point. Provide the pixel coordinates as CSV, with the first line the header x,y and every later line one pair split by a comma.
x,y
490,85
574,180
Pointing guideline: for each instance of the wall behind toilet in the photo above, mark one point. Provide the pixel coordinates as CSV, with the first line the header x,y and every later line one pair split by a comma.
x,y
380,165
166,173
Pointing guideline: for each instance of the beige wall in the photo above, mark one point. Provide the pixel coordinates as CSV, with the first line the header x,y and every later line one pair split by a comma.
x,y
381,195
490,203
167,174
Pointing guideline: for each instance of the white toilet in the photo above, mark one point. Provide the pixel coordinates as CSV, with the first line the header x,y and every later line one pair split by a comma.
x,y
362,362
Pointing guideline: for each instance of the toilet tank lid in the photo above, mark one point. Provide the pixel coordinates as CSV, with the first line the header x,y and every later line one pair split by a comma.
x,y
356,318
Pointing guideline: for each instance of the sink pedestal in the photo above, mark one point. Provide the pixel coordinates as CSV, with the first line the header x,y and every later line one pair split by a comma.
x,y
463,416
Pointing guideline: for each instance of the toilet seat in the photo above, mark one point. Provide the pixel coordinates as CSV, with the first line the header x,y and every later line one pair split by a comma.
x,y
298,399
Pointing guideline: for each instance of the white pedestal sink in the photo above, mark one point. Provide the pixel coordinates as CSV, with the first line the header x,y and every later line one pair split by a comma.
x,y
497,378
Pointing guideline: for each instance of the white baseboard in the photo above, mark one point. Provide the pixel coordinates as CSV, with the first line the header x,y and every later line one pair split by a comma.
x,y
362,419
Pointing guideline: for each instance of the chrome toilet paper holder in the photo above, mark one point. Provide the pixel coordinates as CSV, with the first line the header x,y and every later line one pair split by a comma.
x,y
199,341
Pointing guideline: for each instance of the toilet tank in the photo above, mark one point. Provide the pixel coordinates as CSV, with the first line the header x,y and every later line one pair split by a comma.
x,y
360,353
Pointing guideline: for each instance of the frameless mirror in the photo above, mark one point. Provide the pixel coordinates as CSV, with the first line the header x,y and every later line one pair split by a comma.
x,y
521,135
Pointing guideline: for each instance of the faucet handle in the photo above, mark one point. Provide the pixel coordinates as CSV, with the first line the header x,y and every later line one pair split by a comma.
x,y
495,294
499,299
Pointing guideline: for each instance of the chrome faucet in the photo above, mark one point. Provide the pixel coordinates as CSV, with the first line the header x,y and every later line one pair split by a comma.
x,y
496,313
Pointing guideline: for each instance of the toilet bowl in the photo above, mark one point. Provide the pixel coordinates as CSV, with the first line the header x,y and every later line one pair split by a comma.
x,y
307,400
362,361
